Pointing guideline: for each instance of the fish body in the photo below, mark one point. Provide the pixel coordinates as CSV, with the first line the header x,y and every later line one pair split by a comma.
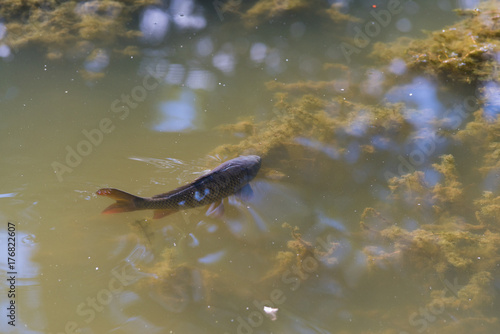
x,y
231,177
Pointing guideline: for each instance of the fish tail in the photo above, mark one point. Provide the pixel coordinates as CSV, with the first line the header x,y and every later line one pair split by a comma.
x,y
124,201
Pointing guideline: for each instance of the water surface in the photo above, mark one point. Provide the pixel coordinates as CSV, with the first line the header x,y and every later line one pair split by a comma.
x,y
376,208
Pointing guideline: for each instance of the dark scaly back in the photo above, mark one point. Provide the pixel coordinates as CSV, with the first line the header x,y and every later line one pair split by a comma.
x,y
223,181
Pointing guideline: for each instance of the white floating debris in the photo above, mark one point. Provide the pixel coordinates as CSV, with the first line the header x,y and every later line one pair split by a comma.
x,y
271,312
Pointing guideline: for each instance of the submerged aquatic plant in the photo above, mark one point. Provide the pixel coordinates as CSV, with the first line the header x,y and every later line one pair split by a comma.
x,y
434,225
256,13
73,29
464,52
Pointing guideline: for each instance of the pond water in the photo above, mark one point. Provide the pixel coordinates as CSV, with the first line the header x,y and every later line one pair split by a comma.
x,y
377,206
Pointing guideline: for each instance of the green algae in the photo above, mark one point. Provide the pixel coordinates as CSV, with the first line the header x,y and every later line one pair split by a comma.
x,y
464,52
298,250
72,29
448,244
453,245
483,136
424,252
449,192
254,14
457,235
178,284
456,232
488,210
311,116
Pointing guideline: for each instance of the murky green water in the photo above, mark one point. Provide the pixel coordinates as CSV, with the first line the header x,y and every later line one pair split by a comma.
x,y
376,209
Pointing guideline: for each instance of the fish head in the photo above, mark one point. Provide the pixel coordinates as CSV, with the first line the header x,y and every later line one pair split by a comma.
x,y
251,164
242,169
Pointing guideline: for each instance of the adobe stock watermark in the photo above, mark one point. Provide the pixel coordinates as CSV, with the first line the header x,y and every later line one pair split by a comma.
x,y
119,109
122,276
364,34
428,314
292,277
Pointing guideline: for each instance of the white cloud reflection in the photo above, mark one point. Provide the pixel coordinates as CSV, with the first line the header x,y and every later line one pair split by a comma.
x,y
185,16
492,100
98,61
212,258
4,51
373,84
154,25
225,60
205,47
175,74
404,25
468,4
258,52
422,94
273,62
178,115
397,66
201,79
359,124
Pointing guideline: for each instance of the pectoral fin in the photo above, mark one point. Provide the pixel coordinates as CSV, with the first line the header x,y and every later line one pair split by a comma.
x,y
245,193
162,213
216,209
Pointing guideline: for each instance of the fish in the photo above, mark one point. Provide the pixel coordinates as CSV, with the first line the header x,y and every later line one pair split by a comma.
x,y
229,178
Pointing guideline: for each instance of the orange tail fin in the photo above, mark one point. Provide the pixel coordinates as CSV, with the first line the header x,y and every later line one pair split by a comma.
x,y
124,201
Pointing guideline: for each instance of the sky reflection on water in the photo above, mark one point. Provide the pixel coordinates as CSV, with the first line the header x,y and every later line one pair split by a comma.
x,y
178,115
379,185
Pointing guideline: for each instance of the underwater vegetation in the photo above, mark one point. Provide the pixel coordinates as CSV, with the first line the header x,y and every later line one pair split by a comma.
x,y
431,231
74,29
438,242
464,52
254,13
444,233
178,285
